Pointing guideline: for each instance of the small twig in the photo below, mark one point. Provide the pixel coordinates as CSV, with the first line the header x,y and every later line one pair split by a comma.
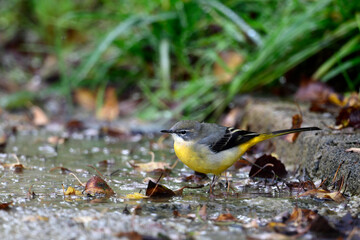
x,y
175,163
152,156
262,168
342,183
16,158
274,177
251,163
96,170
82,184
114,172
337,170
322,183
157,184
228,184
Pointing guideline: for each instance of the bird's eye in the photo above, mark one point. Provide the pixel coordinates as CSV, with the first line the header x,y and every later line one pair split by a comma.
x,y
183,132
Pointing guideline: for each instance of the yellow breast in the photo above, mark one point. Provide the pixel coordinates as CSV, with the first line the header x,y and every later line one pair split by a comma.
x,y
201,159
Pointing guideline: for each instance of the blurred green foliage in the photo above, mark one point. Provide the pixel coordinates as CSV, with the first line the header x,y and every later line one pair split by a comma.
x,y
166,49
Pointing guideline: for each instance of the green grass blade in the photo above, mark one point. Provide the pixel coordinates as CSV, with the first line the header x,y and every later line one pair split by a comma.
x,y
245,28
345,50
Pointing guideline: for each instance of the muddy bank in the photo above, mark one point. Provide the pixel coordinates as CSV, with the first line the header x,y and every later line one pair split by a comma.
x,y
320,153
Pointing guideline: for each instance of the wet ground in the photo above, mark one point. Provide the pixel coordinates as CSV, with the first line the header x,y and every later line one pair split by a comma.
x,y
51,215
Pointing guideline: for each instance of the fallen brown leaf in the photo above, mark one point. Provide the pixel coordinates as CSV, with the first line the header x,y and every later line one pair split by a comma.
x,y
225,217
349,117
271,167
202,213
325,194
16,167
150,166
96,185
296,123
314,91
36,218
5,206
110,110
85,98
3,142
129,235
112,132
56,140
155,190
39,116
137,210
356,150
74,125
199,178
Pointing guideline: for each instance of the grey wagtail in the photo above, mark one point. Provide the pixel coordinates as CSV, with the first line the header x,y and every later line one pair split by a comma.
x,y
212,148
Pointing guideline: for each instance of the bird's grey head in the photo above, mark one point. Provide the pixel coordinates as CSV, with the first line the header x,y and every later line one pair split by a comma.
x,y
186,129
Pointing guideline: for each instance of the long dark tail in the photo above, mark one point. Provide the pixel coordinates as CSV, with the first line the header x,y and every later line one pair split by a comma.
x,y
287,131
264,136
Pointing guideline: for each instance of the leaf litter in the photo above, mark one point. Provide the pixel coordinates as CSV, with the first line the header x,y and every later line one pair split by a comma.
x,y
96,185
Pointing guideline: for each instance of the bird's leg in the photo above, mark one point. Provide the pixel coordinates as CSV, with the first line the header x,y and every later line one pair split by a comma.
x,y
227,183
213,182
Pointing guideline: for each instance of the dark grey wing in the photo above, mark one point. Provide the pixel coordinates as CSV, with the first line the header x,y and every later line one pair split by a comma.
x,y
232,138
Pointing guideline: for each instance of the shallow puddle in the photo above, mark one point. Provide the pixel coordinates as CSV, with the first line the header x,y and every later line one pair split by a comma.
x,y
50,215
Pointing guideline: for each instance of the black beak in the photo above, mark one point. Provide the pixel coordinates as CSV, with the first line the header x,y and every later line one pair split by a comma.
x,y
167,131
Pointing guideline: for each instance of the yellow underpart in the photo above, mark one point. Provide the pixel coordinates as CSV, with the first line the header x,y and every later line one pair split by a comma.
x,y
201,159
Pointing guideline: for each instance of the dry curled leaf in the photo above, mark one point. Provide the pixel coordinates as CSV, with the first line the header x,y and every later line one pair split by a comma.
x,y
270,167
225,217
36,218
96,185
199,178
129,235
75,125
113,132
16,167
110,110
39,116
202,212
155,190
56,140
296,123
336,196
85,98
3,142
348,117
5,206
300,221
150,166
314,91
355,150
